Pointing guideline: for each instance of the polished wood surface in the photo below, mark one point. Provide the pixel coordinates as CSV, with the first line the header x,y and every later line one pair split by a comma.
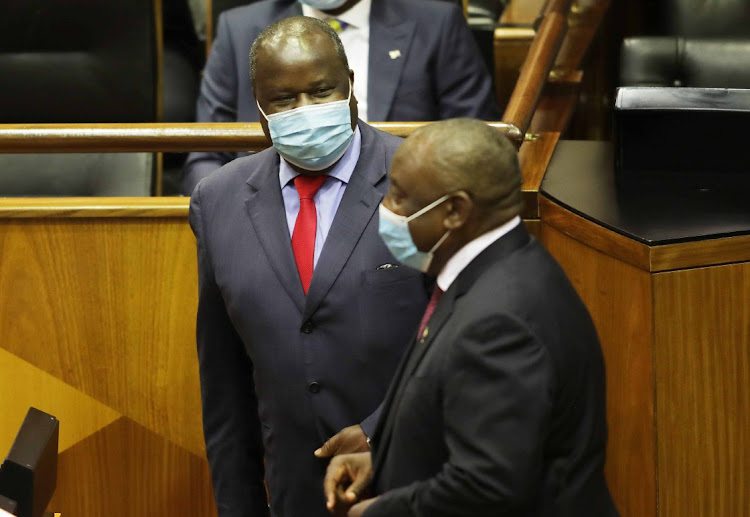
x,y
555,109
168,137
702,347
511,46
675,326
98,323
98,207
665,257
522,12
700,253
534,157
126,469
618,297
537,65
595,236
533,226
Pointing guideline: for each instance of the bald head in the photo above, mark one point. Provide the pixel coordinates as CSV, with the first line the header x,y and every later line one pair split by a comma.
x,y
300,28
467,154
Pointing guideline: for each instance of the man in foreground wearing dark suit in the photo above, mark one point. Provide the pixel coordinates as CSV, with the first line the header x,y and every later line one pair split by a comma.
x,y
498,408
303,312
413,60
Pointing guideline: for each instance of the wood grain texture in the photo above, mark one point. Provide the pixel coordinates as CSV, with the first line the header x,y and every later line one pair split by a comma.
x,y
94,207
534,227
649,258
534,157
522,12
554,111
156,137
108,306
127,469
595,236
703,390
619,298
537,65
22,385
700,253
511,45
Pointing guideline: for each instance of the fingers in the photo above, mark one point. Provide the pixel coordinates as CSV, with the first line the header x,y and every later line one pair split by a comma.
x,y
360,476
336,476
329,448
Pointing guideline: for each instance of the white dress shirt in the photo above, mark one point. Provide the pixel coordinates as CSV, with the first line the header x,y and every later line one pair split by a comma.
x,y
469,252
356,40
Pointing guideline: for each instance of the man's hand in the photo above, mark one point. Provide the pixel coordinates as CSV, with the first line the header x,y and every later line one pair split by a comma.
x,y
347,479
348,440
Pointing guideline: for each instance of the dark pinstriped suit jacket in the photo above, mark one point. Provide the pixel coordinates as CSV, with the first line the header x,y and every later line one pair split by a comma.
x,y
281,372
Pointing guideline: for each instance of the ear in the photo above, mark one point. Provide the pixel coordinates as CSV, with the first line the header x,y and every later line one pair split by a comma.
x,y
458,209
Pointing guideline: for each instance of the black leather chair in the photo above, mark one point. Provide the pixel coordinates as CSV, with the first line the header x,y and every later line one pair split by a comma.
x,y
71,62
674,61
706,18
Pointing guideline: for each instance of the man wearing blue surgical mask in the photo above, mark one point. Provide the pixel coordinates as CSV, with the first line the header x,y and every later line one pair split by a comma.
x,y
498,408
414,60
303,312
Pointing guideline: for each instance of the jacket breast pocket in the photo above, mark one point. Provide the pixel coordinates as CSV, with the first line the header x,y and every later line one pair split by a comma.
x,y
392,302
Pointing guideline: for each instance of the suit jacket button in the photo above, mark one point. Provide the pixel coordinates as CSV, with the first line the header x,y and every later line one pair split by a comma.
x,y
307,327
314,387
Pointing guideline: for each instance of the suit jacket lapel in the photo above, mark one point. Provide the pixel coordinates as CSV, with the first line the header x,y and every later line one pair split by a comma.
x,y
358,206
390,39
513,240
265,207
412,358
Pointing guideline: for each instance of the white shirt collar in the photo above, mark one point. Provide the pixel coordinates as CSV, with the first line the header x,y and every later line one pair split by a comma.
x,y
358,16
470,251
342,171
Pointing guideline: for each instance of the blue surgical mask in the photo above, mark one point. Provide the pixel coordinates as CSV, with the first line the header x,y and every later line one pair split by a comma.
x,y
394,230
312,137
324,5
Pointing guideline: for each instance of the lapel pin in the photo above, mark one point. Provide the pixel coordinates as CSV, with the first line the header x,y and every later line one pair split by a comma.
x,y
426,331
395,54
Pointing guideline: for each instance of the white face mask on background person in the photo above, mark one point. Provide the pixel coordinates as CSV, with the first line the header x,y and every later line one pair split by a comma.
x,y
312,137
323,5
394,230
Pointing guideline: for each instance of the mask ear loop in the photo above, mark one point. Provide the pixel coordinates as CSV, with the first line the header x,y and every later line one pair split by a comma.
x,y
442,240
427,208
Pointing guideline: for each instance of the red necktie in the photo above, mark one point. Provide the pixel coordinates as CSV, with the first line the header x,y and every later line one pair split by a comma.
x,y
436,294
303,237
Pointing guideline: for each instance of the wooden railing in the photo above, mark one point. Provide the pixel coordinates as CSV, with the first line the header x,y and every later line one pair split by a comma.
x,y
538,64
123,138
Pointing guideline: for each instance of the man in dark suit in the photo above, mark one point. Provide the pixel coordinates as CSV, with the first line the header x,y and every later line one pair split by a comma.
x,y
499,406
417,60
303,312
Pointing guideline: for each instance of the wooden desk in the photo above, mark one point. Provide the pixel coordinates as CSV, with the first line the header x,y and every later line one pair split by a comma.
x,y
666,277
97,319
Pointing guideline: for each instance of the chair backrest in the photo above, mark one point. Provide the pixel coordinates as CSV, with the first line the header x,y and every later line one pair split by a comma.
x,y
69,61
77,61
706,18
672,61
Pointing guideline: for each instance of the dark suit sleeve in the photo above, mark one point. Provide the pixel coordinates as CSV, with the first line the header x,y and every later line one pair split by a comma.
x,y
230,417
497,398
464,86
217,102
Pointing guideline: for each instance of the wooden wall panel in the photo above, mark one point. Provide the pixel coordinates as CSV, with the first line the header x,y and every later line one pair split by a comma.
x,y
618,296
702,347
97,318
125,466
